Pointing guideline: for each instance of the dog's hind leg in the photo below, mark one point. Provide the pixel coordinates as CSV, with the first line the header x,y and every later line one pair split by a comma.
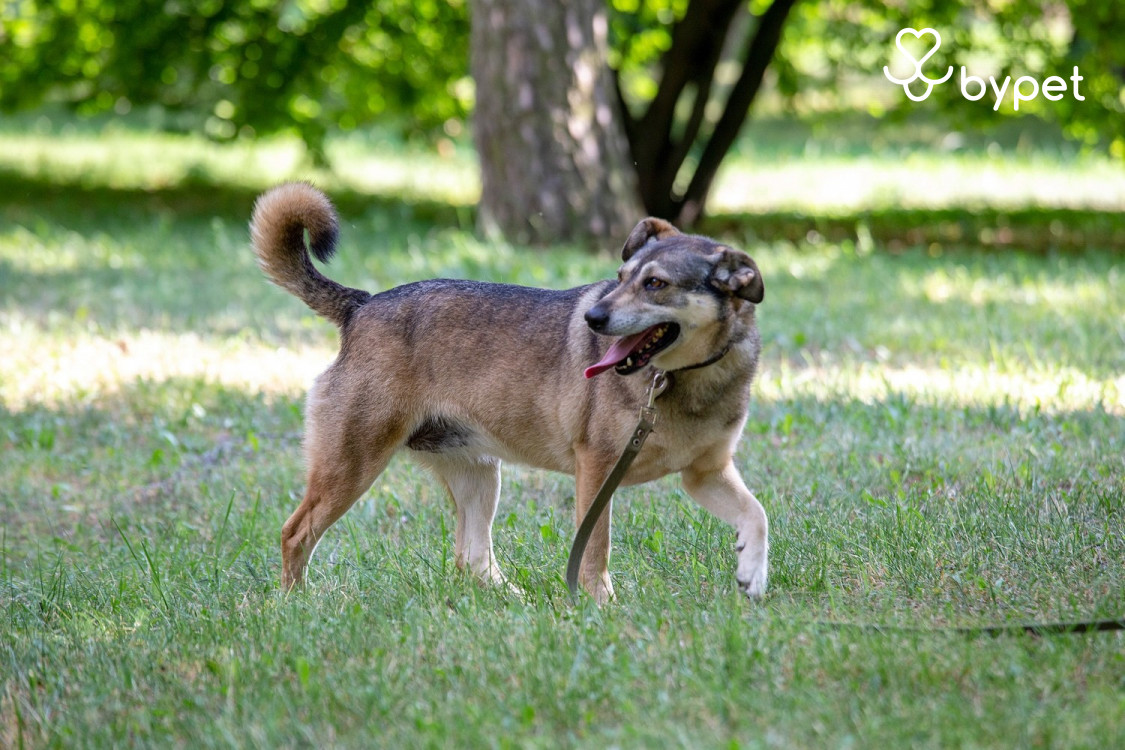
x,y
723,492
474,484
341,469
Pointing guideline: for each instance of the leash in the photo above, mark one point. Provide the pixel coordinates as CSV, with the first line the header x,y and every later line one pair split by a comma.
x,y
645,425
1035,629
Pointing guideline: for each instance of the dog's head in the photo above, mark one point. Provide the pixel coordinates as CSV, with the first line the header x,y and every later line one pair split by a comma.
x,y
678,301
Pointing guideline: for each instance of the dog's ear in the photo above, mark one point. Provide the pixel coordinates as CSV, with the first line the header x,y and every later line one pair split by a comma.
x,y
735,272
646,231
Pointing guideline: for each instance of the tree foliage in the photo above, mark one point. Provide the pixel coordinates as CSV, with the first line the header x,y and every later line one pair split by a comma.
x,y
834,55
248,66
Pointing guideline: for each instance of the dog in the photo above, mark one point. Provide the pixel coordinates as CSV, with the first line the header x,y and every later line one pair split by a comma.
x,y
463,375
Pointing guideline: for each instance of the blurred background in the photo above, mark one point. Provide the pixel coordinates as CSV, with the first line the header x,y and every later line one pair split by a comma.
x,y
550,122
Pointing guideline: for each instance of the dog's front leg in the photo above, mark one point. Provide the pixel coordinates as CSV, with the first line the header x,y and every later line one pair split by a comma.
x,y
723,492
591,469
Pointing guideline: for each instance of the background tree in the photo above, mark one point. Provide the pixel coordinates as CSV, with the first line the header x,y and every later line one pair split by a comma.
x,y
554,161
664,141
556,94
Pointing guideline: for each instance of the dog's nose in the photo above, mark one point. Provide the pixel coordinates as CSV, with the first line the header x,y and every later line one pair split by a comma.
x,y
597,318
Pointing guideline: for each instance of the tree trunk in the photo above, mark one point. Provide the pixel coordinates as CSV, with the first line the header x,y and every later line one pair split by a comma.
x,y
554,160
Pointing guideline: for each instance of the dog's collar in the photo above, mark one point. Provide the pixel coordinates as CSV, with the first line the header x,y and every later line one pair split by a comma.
x,y
669,376
705,363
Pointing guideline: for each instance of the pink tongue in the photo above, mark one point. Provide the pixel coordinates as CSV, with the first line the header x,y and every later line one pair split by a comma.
x,y
619,351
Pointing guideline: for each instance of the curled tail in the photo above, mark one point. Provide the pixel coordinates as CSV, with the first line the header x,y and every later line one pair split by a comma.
x,y
282,215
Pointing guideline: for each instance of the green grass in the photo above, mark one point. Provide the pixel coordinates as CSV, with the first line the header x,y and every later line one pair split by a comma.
x,y
938,435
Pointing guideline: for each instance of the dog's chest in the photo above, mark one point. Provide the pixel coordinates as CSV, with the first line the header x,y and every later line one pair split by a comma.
x,y
676,444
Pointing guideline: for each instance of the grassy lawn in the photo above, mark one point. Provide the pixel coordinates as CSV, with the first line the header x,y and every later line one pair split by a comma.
x,y
938,435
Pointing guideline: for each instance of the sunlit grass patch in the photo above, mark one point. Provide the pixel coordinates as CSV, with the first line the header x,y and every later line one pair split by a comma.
x,y
45,370
131,160
1055,389
842,185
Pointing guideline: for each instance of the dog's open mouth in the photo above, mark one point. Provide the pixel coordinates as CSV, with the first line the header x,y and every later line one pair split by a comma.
x,y
631,353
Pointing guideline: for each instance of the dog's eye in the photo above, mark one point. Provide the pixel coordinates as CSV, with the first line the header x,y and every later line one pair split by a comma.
x,y
652,283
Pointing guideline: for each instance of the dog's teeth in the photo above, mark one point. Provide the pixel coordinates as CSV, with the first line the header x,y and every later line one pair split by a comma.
x,y
628,361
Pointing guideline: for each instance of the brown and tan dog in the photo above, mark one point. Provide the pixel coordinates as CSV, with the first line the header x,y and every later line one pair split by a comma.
x,y
466,374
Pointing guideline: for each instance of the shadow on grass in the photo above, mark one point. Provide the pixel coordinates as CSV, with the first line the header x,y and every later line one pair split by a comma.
x,y
111,301
174,258
151,450
196,195
1031,228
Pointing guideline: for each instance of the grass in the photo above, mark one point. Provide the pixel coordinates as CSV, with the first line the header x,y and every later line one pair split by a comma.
x,y
937,434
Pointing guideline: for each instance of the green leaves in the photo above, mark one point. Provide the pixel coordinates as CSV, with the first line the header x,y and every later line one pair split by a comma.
x,y
833,53
244,68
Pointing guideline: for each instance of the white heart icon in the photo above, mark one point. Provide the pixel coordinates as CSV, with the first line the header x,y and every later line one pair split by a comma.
x,y
918,35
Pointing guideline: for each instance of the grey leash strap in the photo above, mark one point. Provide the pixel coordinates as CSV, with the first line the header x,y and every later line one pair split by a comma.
x,y
601,500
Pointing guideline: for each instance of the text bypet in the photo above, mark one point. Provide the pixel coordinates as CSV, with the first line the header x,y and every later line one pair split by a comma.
x,y
973,87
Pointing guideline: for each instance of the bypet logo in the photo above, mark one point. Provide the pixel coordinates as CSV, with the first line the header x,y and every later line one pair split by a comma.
x,y
973,87
918,74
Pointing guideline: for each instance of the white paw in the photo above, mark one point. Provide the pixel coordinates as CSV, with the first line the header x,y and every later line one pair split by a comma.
x,y
751,573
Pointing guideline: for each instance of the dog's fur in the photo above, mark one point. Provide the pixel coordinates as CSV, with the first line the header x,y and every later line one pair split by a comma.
x,y
465,374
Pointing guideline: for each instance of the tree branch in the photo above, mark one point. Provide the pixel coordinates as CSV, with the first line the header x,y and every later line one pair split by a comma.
x,y
628,121
680,150
696,39
759,52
